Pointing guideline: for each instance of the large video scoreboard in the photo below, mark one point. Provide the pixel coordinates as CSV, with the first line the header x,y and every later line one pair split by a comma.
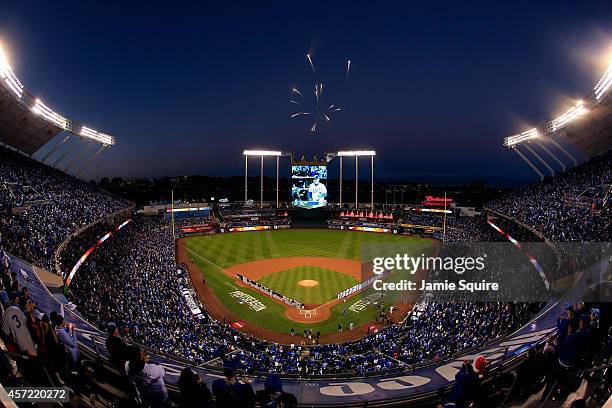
x,y
309,184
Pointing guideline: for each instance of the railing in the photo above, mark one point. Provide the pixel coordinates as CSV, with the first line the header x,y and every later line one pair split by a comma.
x,y
60,247
533,231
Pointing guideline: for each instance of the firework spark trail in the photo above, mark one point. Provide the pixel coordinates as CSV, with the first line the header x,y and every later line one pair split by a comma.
x,y
311,64
300,113
348,68
297,103
297,92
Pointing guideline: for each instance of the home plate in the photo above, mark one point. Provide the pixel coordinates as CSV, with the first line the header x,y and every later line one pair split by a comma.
x,y
239,325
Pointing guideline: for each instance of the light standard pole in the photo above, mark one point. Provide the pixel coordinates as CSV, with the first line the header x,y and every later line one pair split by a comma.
x,y
356,182
340,182
372,191
246,172
261,186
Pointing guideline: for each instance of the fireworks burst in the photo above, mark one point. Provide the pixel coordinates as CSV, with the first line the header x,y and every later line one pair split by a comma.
x,y
316,107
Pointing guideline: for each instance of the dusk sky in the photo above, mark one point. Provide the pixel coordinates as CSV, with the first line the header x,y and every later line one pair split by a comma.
x,y
432,88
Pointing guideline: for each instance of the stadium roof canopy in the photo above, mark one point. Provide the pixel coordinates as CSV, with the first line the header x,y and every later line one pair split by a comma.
x,y
27,124
587,125
591,134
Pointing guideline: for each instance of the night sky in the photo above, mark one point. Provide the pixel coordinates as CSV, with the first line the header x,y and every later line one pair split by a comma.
x,y
433,88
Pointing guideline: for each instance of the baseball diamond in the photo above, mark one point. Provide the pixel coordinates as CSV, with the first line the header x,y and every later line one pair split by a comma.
x,y
310,266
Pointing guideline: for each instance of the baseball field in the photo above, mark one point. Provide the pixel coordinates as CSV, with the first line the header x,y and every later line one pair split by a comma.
x,y
310,266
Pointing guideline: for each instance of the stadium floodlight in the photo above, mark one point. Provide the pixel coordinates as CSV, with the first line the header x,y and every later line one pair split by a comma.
x,y
601,88
97,136
37,107
8,76
261,153
41,109
357,153
521,137
567,117
554,125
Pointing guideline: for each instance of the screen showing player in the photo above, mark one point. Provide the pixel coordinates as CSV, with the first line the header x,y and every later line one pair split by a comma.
x,y
308,189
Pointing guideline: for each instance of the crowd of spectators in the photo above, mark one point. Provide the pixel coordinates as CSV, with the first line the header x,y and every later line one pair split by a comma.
x,y
133,281
38,349
32,225
439,330
45,344
557,373
137,266
555,207
237,216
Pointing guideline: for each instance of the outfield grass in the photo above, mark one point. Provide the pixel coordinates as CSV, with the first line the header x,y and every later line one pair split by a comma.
x,y
230,249
211,253
330,283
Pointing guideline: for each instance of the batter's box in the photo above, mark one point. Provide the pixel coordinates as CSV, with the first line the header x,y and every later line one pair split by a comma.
x,y
308,314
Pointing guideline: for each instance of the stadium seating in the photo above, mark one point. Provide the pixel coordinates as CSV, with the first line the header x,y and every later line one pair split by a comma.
x,y
238,217
133,288
559,208
40,207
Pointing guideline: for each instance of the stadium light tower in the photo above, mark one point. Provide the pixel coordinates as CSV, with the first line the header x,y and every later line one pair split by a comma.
x,y
262,154
356,154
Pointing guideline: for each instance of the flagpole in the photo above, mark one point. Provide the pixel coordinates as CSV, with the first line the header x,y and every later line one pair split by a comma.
x,y
172,208
444,229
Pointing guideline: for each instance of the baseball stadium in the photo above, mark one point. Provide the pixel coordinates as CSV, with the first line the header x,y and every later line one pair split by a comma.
x,y
249,274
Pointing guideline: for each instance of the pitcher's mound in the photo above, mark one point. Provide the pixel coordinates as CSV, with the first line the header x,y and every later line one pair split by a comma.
x,y
308,283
